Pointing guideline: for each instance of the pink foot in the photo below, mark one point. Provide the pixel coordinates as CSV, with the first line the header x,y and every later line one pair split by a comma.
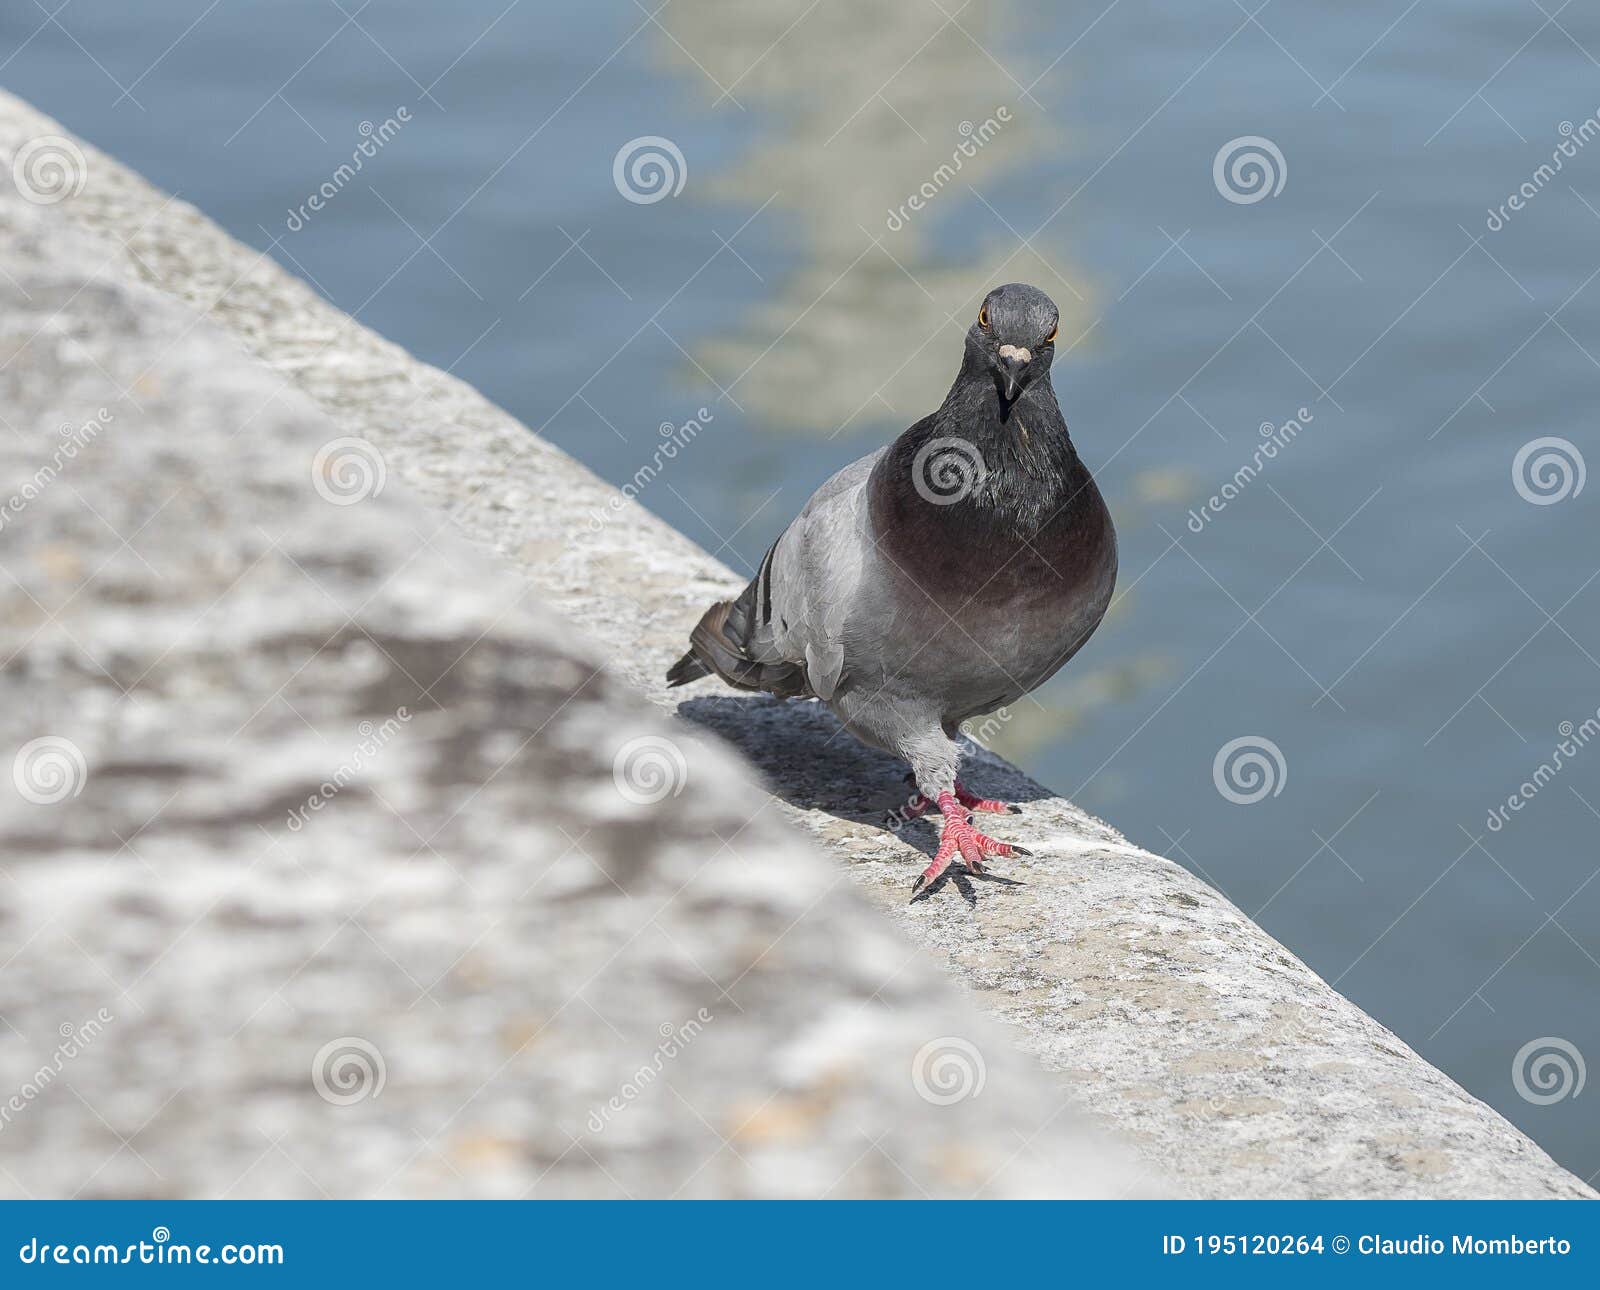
x,y
960,838
919,805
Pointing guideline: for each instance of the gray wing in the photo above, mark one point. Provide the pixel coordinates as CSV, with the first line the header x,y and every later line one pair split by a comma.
x,y
809,580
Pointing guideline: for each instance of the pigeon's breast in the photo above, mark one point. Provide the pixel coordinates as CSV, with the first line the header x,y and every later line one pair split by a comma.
x,y
988,609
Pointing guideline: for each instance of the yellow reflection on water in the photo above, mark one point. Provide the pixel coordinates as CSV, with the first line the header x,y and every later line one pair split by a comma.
x,y
861,115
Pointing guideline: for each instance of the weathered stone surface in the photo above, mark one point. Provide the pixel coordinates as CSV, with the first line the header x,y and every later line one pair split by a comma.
x,y
1159,1005
318,774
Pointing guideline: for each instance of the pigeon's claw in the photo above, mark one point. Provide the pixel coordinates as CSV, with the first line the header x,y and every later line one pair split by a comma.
x,y
959,838
985,804
920,805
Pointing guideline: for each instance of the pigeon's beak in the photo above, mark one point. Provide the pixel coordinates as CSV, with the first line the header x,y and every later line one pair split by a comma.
x,y
1014,361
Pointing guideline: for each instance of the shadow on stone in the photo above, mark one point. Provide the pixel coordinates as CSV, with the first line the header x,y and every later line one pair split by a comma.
x,y
810,761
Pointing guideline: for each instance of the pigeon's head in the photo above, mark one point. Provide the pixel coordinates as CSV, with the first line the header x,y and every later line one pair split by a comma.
x,y
1015,333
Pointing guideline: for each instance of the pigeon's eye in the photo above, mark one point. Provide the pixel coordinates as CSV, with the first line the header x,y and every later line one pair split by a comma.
x,y
1051,338
983,317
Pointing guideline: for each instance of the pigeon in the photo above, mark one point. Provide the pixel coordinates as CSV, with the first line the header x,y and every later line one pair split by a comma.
x,y
943,576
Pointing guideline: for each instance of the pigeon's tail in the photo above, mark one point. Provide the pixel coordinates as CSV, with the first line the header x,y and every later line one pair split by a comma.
x,y
714,648
686,669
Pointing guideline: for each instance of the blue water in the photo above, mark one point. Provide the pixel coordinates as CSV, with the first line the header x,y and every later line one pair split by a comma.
x,y
1379,601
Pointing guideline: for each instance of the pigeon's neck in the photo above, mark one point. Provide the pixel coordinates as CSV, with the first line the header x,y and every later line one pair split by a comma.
x,y
1030,467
